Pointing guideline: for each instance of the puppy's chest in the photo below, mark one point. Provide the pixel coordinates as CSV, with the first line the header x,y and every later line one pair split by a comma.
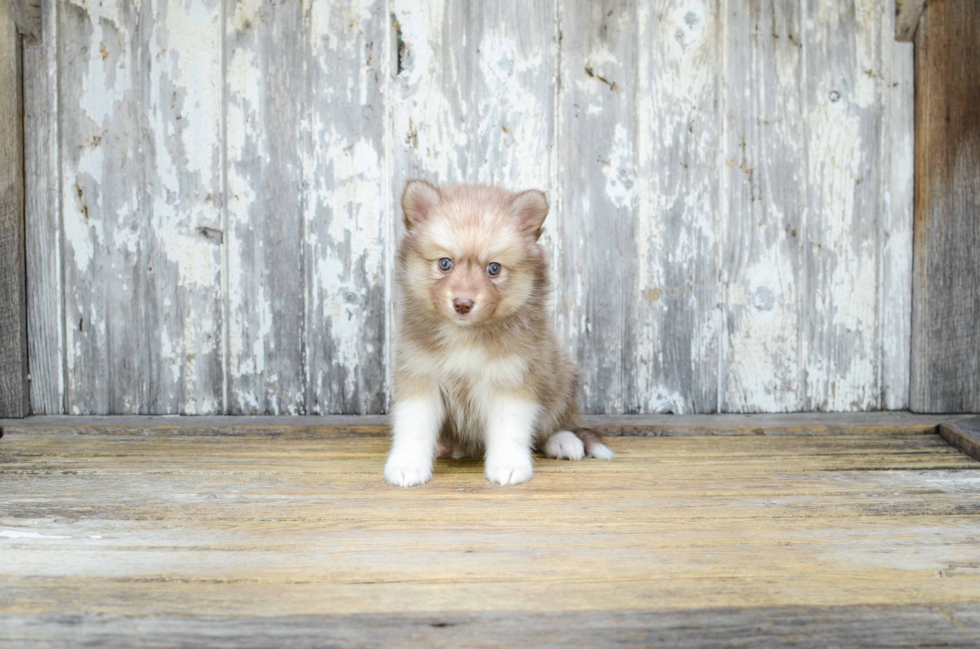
x,y
468,369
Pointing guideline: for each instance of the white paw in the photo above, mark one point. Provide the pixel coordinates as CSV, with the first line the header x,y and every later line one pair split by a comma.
x,y
564,446
402,471
515,468
601,452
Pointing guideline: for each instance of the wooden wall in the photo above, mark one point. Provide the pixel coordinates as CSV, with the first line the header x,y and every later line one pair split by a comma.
x,y
212,189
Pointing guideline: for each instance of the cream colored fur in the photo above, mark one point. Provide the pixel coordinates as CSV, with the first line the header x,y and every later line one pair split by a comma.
x,y
489,377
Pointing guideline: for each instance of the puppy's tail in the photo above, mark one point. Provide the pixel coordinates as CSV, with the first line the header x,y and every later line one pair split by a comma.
x,y
594,446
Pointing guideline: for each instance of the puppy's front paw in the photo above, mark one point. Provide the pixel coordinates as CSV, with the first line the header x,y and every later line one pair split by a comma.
x,y
407,472
511,470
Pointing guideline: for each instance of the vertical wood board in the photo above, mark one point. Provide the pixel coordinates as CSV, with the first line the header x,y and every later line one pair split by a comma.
x,y
45,301
946,291
897,162
101,200
344,212
764,172
598,175
14,390
181,127
673,298
841,346
264,235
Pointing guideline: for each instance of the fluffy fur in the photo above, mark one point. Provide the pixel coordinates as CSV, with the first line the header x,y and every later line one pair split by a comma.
x,y
492,379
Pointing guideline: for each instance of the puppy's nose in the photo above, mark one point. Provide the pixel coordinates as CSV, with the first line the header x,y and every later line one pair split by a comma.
x,y
462,305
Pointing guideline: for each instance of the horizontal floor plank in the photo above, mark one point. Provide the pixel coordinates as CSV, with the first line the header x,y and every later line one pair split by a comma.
x,y
801,626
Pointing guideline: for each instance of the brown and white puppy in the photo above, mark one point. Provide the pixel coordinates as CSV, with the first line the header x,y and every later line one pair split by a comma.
x,y
478,367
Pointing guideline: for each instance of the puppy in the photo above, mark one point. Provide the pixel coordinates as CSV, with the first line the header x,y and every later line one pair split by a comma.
x,y
478,367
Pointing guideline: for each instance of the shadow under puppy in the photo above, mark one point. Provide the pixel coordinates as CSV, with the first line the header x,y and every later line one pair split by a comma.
x,y
478,368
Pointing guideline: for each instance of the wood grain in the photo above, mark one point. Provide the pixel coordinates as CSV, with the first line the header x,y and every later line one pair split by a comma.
x,y
265,86
102,208
841,246
671,299
598,175
142,528
345,216
764,168
44,237
14,388
797,626
897,162
946,308
182,167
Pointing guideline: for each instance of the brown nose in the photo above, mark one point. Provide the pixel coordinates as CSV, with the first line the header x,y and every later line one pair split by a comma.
x,y
462,305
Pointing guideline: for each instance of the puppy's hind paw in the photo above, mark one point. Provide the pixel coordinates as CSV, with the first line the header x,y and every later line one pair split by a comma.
x,y
601,452
564,445
407,474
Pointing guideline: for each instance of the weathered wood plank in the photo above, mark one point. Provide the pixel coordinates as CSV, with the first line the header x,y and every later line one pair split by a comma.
x,y
181,153
345,217
897,164
762,231
847,423
670,344
598,174
946,279
799,626
841,246
14,388
964,435
45,316
265,106
907,13
101,192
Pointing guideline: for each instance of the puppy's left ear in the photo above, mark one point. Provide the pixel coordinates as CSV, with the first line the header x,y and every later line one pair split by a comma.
x,y
531,207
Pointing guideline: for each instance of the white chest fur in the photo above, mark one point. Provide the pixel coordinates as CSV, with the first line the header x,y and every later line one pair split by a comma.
x,y
468,363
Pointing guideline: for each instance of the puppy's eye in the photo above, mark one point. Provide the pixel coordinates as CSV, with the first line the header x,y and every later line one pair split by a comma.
x,y
493,269
446,264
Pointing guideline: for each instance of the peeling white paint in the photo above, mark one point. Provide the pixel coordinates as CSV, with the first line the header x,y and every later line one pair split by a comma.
x,y
29,534
795,303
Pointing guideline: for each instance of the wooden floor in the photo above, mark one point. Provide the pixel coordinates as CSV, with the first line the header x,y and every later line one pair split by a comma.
x,y
253,535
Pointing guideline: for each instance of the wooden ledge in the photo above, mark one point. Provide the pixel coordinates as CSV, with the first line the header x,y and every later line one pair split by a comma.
x,y
377,425
963,434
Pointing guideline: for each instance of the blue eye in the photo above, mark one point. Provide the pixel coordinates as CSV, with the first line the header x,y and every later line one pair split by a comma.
x,y
493,269
446,264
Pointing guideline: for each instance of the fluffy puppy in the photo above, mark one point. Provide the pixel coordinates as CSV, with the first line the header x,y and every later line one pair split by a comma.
x,y
478,367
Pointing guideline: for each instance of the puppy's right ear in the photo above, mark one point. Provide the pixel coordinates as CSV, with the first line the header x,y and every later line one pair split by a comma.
x,y
418,201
